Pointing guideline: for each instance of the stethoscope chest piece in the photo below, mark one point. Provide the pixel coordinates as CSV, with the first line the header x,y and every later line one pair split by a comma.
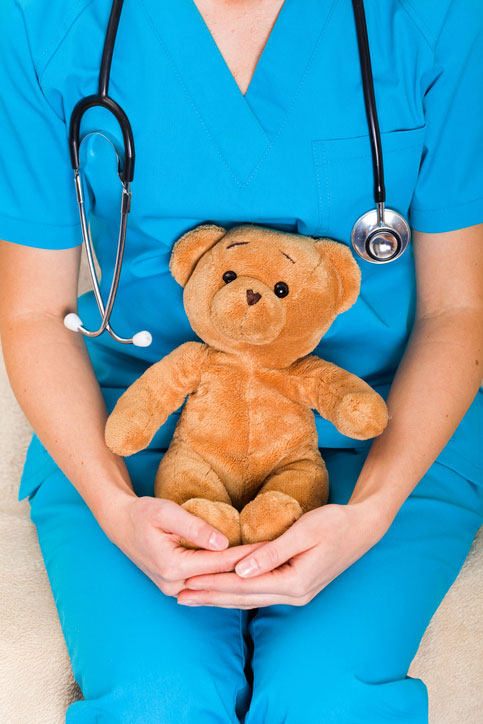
x,y
381,235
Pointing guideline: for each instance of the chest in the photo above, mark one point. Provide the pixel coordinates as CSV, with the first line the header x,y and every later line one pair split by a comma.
x,y
292,152
234,384
247,406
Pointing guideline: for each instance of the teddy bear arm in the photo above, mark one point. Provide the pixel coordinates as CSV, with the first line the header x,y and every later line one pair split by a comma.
x,y
131,425
344,399
307,381
351,404
148,402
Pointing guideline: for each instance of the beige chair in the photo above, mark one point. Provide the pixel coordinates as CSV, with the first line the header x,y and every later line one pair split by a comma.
x,y
36,682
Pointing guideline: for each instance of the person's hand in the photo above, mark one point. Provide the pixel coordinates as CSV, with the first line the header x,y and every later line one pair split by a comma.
x,y
293,568
148,531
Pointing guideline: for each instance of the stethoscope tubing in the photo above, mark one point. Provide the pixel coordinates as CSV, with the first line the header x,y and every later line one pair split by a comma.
x,y
126,174
370,101
126,170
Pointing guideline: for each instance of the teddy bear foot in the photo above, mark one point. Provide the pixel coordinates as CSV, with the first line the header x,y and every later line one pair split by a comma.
x,y
267,516
221,516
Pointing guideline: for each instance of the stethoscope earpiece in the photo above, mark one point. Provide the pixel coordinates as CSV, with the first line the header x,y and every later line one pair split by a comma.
x,y
73,322
142,339
381,235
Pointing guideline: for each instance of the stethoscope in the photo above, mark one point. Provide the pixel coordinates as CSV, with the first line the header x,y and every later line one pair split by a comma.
x,y
379,236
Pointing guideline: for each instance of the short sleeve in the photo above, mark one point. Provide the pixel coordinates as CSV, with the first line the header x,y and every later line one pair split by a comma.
x,y
37,197
449,190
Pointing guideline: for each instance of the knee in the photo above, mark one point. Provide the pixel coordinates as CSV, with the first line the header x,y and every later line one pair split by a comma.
x,y
338,697
120,704
157,700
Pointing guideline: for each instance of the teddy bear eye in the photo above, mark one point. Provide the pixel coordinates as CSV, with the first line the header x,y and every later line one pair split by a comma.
x,y
229,276
281,289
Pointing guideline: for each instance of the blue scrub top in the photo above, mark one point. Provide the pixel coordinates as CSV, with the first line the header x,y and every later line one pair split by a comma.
x,y
293,153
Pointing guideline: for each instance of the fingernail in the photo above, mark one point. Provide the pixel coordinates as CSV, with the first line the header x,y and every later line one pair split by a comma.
x,y
247,568
217,541
188,603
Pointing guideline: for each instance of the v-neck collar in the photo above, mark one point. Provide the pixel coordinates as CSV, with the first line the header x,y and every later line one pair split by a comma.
x,y
241,127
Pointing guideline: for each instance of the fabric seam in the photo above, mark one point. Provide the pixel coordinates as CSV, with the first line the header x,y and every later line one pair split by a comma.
x,y
419,23
51,51
296,94
205,127
188,95
39,223
446,208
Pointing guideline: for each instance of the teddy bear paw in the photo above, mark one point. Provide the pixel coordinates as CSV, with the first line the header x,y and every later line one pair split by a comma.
x,y
126,437
361,415
267,516
222,516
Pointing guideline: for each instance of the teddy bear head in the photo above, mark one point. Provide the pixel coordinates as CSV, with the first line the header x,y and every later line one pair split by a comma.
x,y
264,294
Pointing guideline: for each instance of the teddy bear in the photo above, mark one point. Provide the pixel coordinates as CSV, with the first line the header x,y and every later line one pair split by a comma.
x,y
244,455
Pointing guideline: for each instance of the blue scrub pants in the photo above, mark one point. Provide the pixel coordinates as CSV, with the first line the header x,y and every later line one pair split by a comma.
x,y
140,658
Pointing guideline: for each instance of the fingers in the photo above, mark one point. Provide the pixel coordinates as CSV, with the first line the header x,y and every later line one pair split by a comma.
x,y
279,582
188,563
230,600
174,564
170,588
272,555
177,564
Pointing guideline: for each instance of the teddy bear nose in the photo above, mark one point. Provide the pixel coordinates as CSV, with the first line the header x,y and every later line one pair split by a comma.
x,y
253,297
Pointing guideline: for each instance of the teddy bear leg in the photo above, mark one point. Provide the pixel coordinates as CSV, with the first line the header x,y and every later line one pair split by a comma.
x,y
221,516
287,493
186,478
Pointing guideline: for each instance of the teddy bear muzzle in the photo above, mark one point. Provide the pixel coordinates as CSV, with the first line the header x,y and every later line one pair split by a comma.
x,y
247,310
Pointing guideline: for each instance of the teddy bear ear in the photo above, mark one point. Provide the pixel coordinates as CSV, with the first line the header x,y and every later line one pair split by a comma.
x,y
346,268
189,249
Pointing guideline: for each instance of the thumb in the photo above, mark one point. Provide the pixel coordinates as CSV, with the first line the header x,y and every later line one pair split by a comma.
x,y
173,518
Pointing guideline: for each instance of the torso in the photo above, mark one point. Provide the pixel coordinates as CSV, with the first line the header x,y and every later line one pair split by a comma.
x,y
241,416
292,153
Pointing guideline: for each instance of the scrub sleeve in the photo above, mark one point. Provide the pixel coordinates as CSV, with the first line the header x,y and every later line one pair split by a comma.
x,y
344,657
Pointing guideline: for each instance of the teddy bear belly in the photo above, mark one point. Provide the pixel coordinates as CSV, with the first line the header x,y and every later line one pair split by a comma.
x,y
245,443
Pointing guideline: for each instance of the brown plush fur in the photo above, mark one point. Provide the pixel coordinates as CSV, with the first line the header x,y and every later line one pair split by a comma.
x,y
244,455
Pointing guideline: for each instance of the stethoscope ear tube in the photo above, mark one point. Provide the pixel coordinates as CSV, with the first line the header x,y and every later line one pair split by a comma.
x,y
103,100
72,321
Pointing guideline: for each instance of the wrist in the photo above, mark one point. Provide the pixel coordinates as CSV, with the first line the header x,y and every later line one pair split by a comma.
x,y
377,509
382,486
111,504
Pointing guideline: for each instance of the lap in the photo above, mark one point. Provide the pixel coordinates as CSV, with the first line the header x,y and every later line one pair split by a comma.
x,y
136,654
135,649
352,645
